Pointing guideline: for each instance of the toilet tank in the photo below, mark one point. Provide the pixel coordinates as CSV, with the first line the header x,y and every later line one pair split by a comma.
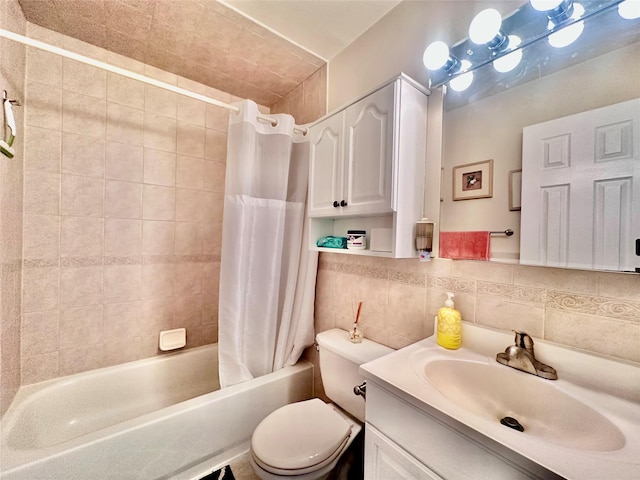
x,y
339,363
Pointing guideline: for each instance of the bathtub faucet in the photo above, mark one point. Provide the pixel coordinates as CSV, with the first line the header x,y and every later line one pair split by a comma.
x,y
521,357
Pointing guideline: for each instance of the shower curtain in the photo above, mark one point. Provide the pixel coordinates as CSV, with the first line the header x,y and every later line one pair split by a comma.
x,y
267,273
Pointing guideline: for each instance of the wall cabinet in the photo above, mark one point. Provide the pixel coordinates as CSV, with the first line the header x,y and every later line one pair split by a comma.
x,y
351,158
367,168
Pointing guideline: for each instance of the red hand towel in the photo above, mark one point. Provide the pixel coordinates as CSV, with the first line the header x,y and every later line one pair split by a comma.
x,y
465,245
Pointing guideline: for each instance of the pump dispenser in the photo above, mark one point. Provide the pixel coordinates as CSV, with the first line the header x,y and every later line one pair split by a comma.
x,y
449,325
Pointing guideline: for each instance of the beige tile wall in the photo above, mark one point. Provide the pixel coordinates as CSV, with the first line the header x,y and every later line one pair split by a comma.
x,y
594,311
308,101
124,186
12,69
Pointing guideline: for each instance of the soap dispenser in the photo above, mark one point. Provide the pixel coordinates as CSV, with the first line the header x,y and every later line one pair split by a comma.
x,y
449,325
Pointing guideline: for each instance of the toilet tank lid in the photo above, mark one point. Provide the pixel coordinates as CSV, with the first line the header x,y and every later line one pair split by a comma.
x,y
337,341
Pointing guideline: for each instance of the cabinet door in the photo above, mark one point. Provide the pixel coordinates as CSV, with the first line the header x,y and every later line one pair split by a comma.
x,y
369,151
384,460
326,167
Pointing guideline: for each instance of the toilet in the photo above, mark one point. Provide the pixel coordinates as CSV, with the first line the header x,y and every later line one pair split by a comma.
x,y
305,440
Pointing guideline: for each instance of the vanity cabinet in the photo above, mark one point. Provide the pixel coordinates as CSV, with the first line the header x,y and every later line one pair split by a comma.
x,y
404,442
367,168
386,460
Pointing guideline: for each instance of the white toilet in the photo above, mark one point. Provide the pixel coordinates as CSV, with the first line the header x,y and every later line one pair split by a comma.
x,y
304,440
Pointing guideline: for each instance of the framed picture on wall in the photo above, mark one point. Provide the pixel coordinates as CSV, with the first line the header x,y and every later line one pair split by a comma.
x,y
473,180
515,190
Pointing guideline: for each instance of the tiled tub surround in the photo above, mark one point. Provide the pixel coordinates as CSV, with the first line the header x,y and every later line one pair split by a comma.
x,y
594,311
12,68
124,186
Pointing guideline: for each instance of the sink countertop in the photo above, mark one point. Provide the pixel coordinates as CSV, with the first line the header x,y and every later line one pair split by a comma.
x,y
609,387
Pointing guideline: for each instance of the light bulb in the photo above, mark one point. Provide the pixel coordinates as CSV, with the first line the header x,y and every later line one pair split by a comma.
x,y
558,11
629,9
485,26
545,5
511,60
436,55
461,83
567,35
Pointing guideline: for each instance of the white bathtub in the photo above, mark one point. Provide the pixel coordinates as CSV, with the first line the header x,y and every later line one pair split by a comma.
x,y
160,418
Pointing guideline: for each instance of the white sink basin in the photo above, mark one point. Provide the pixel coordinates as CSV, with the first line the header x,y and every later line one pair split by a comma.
x,y
585,424
497,391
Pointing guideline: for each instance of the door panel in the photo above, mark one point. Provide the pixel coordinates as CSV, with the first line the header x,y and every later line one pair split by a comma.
x,y
369,152
581,190
326,167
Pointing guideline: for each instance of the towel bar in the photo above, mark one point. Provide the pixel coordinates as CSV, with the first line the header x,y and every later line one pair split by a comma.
x,y
508,232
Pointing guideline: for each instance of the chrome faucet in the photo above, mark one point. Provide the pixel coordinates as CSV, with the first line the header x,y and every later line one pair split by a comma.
x,y
521,357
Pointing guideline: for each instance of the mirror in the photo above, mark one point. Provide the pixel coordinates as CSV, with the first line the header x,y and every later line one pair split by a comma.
x,y
486,121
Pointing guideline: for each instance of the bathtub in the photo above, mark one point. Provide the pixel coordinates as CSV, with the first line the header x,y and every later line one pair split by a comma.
x,y
159,418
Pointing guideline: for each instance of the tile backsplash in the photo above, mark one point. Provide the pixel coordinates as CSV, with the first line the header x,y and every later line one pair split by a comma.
x,y
594,311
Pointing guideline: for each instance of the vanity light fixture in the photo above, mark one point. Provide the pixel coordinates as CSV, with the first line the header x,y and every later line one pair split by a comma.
x,y
503,41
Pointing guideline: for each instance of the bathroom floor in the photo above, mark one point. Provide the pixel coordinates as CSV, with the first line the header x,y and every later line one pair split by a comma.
x,y
241,468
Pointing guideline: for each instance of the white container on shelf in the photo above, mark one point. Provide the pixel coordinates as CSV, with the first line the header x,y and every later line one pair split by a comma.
x,y
357,239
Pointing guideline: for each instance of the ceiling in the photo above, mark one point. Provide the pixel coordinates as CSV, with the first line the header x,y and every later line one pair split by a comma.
x,y
218,44
324,27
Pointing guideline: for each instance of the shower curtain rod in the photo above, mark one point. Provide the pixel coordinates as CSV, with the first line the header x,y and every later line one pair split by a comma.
x,y
126,73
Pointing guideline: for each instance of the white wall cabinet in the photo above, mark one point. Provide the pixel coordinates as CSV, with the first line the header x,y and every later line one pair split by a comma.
x,y
351,158
367,167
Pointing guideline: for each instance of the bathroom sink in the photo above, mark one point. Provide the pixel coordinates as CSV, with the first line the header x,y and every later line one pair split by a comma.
x,y
585,424
495,392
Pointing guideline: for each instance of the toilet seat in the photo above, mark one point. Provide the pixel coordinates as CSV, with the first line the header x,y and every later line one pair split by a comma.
x,y
300,438
297,472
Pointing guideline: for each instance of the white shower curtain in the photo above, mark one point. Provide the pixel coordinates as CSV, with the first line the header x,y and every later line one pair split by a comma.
x,y
267,273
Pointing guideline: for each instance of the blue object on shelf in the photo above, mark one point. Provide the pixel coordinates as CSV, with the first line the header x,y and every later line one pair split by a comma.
x,y
332,242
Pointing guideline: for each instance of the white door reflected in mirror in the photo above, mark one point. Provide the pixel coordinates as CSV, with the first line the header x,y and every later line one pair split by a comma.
x,y
581,193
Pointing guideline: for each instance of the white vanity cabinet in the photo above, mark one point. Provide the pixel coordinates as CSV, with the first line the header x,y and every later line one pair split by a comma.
x,y
404,442
384,460
367,168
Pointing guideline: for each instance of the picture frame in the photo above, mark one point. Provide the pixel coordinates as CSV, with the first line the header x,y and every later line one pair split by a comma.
x,y
473,180
515,190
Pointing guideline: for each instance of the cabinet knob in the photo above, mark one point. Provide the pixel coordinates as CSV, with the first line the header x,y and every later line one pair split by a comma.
x,y
335,204
343,203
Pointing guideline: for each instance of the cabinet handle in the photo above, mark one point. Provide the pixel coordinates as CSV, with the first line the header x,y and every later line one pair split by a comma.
x,y
343,203
335,204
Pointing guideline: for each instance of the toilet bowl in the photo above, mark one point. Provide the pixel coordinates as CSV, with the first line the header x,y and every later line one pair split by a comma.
x,y
305,440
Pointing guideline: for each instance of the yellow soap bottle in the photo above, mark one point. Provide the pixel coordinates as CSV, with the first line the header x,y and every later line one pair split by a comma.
x,y
449,325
